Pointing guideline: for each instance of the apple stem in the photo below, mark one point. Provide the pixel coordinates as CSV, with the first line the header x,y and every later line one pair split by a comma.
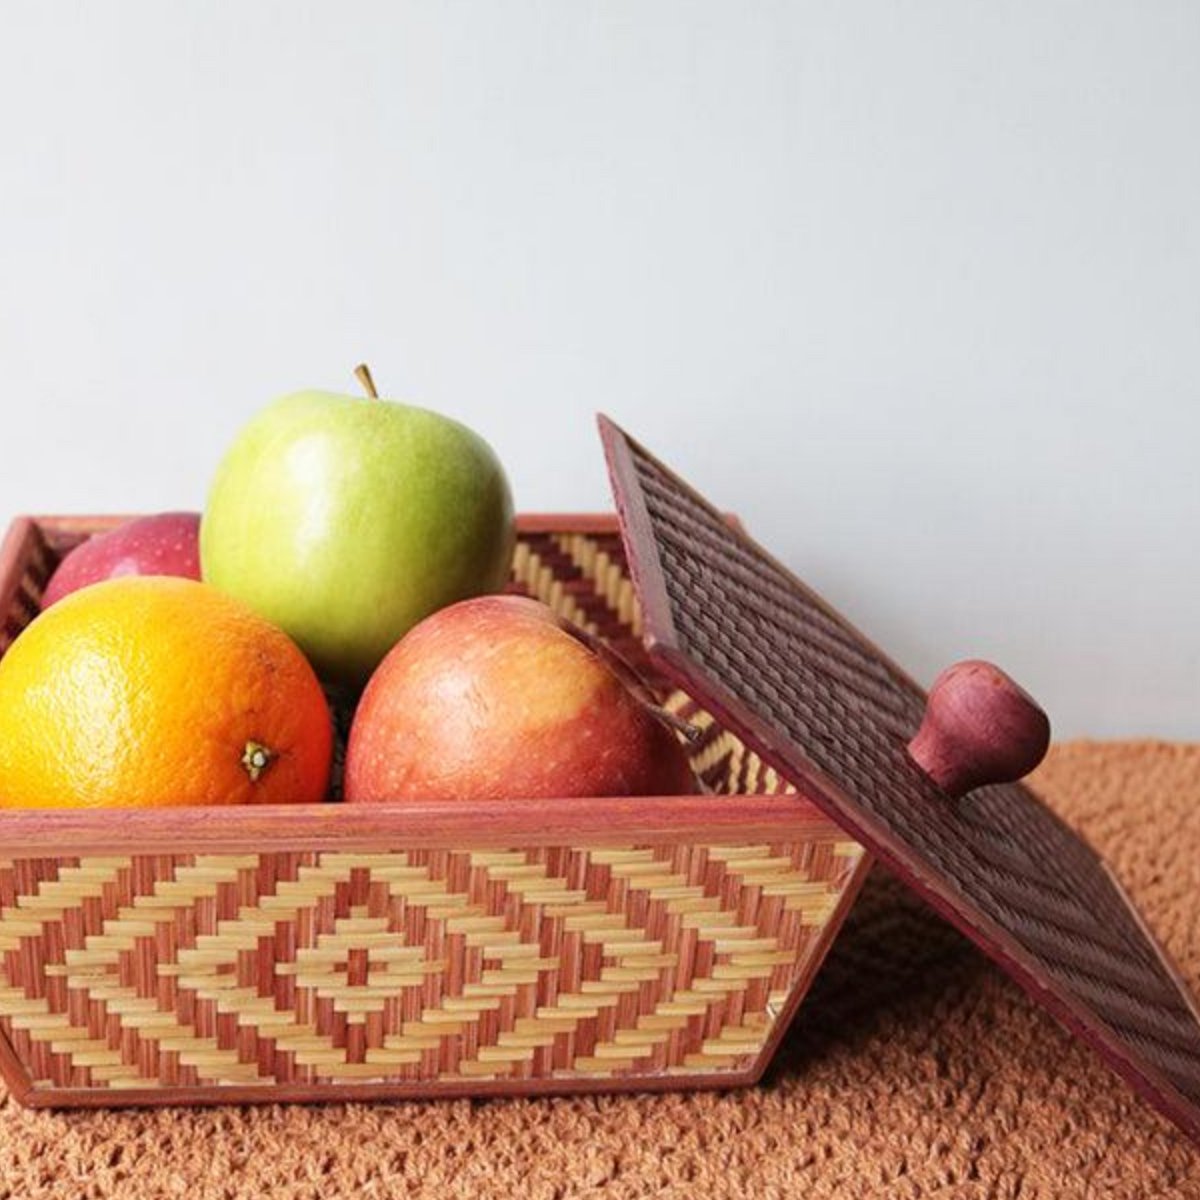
x,y
691,733
363,374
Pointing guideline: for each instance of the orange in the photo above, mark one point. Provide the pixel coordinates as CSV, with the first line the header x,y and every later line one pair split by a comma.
x,y
149,691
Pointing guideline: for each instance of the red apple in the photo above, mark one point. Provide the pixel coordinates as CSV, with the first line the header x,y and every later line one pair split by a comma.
x,y
165,544
496,697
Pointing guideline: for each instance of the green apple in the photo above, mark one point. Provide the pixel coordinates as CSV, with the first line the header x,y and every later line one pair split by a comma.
x,y
346,520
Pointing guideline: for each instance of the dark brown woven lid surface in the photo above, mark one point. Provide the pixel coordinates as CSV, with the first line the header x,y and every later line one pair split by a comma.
x,y
833,715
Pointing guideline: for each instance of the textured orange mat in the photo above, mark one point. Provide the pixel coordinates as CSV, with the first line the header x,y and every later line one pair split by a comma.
x,y
913,1070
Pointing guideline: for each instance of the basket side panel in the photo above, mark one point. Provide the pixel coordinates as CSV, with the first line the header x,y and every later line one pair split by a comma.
x,y
312,968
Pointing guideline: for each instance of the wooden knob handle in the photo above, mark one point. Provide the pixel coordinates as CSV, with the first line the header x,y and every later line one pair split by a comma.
x,y
979,727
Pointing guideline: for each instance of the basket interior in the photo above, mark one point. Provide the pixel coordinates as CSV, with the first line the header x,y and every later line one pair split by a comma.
x,y
581,574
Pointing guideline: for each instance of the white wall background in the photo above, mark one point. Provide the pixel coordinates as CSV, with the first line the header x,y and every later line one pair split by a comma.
x,y
915,287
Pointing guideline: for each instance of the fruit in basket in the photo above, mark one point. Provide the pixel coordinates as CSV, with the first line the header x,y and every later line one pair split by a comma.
x,y
347,520
497,697
163,544
151,691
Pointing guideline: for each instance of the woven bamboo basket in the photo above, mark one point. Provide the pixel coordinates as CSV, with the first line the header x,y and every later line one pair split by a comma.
x,y
322,952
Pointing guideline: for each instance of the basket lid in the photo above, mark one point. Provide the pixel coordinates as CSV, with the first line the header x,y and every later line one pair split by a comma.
x,y
818,702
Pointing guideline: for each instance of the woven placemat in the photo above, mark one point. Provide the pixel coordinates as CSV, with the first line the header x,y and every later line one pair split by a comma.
x,y
914,1070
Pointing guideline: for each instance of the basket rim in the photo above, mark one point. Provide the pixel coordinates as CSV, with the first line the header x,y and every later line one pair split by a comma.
x,y
526,522
432,824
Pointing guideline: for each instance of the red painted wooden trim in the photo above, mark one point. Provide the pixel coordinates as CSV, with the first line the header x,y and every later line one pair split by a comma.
x,y
307,1093
636,529
816,960
75,526
82,523
14,550
65,529
61,529
602,522
16,1077
411,823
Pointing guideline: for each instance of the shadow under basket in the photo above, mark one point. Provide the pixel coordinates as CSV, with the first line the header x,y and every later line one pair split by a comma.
x,y
326,952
